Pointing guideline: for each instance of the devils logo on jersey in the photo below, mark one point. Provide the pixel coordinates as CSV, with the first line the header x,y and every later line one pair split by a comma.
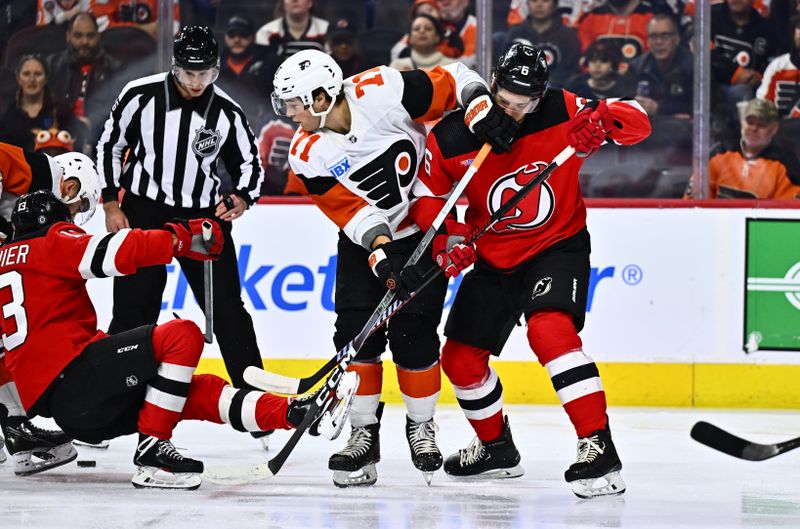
x,y
383,177
533,210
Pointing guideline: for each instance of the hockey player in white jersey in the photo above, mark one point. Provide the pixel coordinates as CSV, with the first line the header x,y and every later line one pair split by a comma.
x,y
360,143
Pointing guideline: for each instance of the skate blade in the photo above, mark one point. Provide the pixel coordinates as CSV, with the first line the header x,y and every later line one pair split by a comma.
x,y
33,462
611,484
428,476
102,445
497,473
155,478
362,477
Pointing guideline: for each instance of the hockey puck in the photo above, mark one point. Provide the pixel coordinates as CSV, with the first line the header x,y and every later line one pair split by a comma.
x,y
87,463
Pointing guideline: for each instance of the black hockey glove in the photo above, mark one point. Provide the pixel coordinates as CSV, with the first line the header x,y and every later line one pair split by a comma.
x,y
387,261
490,123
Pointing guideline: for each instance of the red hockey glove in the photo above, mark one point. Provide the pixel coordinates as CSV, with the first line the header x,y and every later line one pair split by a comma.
x,y
387,261
190,241
589,128
450,250
490,123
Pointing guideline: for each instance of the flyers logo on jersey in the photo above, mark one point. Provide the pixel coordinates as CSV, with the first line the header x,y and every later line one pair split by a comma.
x,y
206,142
533,211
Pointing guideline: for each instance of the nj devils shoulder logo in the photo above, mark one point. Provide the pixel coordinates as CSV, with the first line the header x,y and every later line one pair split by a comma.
x,y
206,142
533,211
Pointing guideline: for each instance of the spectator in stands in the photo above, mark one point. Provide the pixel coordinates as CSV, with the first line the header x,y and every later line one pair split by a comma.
x,y
455,18
425,34
295,29
743,42
247,69
758,167
664,74
59,11
341,39
570,11
602,80
142,14
33,108
450,45
81,76
781,83
622,23
543,29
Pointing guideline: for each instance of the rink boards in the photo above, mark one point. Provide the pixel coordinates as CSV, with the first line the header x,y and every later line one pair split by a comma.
x,y
665,322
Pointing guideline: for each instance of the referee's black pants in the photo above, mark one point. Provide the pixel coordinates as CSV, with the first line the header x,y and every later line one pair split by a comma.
x,y
137,297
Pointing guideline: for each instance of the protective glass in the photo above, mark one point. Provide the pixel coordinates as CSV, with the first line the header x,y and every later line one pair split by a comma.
x,y
195,78
282,107
516,103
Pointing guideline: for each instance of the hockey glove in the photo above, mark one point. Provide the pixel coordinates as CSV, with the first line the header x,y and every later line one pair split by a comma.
x,y
190,243
490,123
450,250
589,128
387,261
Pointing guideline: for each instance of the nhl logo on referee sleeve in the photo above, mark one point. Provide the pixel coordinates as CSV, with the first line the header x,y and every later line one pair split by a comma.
x,y
206,142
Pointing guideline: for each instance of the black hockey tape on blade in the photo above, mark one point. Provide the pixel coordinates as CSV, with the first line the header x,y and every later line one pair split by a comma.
x,y
87,463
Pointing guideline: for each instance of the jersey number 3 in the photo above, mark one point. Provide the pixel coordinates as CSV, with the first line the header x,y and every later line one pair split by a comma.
x,y
15,309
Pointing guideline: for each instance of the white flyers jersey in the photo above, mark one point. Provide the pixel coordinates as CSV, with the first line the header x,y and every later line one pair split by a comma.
x,y
361,180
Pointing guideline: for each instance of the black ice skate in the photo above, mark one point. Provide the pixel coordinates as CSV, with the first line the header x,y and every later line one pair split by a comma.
x,y
422,442
498,459
354,465
3,417
596,472
35,449
161,466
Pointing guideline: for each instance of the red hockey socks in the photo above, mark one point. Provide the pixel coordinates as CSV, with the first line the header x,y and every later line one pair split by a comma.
x,y
574,375
477,387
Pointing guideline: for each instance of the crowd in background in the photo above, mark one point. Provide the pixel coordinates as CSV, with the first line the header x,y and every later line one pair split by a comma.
x,y
66,60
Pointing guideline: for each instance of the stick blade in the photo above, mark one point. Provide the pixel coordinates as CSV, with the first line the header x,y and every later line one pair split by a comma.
x,y
237,475
272,382
718,439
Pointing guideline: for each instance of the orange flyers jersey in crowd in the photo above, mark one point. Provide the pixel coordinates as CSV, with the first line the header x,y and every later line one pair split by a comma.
x,y
551,212
47,315
773,174
628,33
112,13
361,179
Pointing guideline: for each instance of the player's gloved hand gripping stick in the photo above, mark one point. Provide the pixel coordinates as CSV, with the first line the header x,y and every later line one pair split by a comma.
x,y
389,306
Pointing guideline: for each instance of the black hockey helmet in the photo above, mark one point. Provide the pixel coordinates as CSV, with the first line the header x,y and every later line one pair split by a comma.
x,y
196,48
34,211
521,69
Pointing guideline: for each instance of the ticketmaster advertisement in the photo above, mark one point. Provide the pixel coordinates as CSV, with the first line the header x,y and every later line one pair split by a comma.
x,y
666,285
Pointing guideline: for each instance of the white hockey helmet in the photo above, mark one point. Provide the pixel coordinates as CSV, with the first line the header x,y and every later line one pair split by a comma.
x,y
79,166
300,75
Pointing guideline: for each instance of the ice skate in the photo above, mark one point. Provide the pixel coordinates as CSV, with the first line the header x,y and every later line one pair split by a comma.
x,y
35,449
422,442
332,414
263,437
498,459
596,472
354,465
161,466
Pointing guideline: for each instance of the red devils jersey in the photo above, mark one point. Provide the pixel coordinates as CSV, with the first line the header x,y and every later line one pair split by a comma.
x,y
554,210
47,316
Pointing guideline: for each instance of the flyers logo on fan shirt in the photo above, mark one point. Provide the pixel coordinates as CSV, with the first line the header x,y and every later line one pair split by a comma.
x,y
533,211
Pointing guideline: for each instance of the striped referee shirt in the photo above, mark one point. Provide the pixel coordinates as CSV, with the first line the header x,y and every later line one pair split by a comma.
x,y
173,145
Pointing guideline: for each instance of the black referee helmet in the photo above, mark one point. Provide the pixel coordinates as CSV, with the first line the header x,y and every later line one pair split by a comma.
x,y
522,69
36,210
196,48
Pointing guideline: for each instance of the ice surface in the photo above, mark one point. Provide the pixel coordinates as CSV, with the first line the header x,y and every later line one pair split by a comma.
x,y
672,481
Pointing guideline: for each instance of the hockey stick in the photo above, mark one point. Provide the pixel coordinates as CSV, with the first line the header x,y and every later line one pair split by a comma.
x,y
282,384
290,385
208,288
726,442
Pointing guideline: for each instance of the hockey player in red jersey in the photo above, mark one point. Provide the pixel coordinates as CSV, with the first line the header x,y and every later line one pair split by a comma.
x,y
534,262
73,178
97,386
357,150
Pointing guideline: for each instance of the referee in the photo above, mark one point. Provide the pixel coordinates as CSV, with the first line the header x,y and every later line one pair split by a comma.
x,y
161,144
